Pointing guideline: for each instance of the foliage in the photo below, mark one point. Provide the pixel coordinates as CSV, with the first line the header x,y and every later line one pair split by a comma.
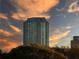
x,y
32,52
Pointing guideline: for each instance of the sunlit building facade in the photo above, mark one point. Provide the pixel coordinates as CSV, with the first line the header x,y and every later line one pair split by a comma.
x,y
36,30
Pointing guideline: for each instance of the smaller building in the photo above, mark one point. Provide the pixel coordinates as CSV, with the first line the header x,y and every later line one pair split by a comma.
x,y
75,42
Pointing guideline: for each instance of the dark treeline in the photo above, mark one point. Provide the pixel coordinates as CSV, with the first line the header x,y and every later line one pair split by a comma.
x,y
72,53
33,51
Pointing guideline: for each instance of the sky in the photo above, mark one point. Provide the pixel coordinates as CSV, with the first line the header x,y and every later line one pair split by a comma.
x,y
62,15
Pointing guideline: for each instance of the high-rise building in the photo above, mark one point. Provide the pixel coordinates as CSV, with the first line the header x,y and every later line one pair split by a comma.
x,y
75,42
36,30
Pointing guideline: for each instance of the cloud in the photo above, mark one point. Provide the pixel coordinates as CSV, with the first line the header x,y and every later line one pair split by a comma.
x,y
11,35
24,16
9,40
6,45
68,27
57,35
9,46
3,16
16,29
23,9
5,33
73,7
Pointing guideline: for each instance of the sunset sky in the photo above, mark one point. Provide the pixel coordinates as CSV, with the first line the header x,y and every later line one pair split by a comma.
x,y
62,15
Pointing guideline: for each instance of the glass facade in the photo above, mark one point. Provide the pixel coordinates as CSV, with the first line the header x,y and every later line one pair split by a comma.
x,y
36,30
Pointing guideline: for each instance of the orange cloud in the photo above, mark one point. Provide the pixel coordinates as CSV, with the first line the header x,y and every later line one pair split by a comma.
x,y
9,40
7,45
3,16
5,33
18,16
25,8
22,16
56,37
31,8
16,29
2,40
